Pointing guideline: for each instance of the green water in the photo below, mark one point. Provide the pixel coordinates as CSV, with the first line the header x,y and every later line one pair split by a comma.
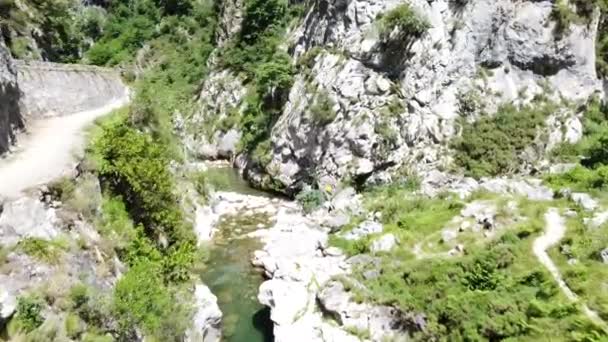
x,y
228,179
229,273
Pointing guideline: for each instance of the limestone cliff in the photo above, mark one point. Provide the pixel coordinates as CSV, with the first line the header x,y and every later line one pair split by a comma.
x,y
396,100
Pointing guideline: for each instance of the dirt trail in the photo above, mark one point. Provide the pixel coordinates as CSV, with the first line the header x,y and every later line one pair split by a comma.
x,y
48,151
554,232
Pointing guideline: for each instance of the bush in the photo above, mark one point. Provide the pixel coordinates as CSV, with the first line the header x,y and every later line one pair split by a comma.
x,y
201,185
322,110
134,166
351,247
493,145
142,300
494,293
579,178
55,30
28,314
563,15
405,19
260,17
73,326
311,199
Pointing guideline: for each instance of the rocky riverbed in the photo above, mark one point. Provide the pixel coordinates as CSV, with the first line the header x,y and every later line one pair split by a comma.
x,y
296,271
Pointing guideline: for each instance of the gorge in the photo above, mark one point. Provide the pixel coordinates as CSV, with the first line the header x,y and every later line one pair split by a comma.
x,y
324,170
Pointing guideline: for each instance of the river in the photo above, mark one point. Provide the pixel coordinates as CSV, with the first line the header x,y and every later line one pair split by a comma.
x,y
229,273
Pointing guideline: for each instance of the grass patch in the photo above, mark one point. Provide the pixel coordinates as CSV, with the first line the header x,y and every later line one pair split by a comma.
x,y
495,292
410,217
587,274
351,247
48,251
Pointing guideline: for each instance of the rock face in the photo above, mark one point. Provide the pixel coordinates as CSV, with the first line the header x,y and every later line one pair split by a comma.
x,y
381,322
27,218
306,304
10,113
207,318
396,99
78,256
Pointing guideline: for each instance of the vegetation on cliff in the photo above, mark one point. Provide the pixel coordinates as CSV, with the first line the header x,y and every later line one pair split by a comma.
x,y
141,220
55,30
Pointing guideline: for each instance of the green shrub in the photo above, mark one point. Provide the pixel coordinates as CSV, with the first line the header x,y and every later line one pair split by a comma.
x,y
79,296
28,314
262,154
73,326
115,224
387,132
498,292
257,54
405,19
351,247
470,103
261,16
134,166
274,77
142,300
493,145
322,110
311,199
579,178
62,189
563,15
201,184
395,107
55,30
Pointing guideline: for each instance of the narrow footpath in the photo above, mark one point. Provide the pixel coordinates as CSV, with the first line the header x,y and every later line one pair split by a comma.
x,y
554,232
48,150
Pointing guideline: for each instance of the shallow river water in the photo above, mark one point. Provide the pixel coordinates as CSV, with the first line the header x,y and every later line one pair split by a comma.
x,y
230,275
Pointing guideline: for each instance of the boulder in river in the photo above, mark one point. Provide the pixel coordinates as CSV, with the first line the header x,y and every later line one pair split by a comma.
x,y
207,321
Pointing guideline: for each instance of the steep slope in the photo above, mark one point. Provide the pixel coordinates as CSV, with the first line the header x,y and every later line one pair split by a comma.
x,y
367,97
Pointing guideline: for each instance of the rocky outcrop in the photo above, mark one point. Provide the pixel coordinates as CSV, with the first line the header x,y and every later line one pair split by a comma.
x,y
51,89
506,51
396,100
10,113
207,318
51,247
306,304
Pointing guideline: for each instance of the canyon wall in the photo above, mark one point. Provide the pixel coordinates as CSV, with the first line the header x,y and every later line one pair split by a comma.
x,y
394,102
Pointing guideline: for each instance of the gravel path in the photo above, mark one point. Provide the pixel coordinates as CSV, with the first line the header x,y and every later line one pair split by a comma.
x,y
48,150
554,232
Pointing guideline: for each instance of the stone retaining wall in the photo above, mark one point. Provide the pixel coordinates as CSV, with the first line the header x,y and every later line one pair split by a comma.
x,y
52,89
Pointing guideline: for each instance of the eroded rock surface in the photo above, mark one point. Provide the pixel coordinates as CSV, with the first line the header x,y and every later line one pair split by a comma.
x,y
207,318
396,100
